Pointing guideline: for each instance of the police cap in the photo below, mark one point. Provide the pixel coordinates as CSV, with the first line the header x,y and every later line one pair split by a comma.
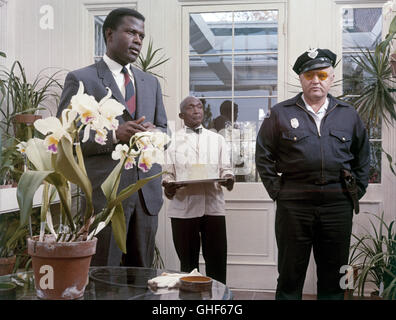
x,y
314,59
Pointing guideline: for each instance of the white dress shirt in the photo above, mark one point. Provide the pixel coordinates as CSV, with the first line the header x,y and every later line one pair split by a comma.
x,y
115,69
318,116
188,148
119,78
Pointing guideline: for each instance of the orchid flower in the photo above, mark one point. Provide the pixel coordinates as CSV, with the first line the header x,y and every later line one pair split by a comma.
x,y
21,147
109,109
159,139
99,117
146,159
86,106
35,150
57,128
143,140
121,152
100,136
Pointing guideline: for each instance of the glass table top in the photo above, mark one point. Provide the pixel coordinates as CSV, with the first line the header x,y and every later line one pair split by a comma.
x,y
119,283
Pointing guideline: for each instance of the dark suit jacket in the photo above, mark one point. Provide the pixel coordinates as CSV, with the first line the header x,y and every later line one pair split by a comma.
x,y
97,157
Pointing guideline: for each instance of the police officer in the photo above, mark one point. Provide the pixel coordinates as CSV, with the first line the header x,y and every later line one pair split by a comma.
x,y
303,149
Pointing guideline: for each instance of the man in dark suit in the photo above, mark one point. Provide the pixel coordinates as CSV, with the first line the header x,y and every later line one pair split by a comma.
x,y
144,110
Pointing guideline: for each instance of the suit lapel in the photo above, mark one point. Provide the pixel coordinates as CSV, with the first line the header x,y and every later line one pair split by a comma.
x,y
105,74
139,86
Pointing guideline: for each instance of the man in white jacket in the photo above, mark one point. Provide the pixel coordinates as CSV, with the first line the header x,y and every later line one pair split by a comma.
x,y
197,210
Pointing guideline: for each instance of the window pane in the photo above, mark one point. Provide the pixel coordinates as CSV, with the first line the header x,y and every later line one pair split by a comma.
x,y
211,33
210,75
234,70
255,75
100,46
361,28
256,31
242,139
354,77
213,119
241,133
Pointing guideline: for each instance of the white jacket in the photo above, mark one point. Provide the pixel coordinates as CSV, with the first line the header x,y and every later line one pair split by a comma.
x,y
189,148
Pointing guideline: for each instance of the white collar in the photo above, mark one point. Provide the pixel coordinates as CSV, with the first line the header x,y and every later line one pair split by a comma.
x,y
114,66
323,108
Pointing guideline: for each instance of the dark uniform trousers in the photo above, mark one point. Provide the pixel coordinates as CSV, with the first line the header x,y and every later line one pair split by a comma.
x,y
320,220
211,231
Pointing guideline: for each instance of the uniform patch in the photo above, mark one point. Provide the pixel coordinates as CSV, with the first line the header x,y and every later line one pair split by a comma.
x,y
294,123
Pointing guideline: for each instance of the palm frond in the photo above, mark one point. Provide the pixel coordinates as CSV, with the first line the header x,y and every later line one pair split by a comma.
x,y
374,101
150,60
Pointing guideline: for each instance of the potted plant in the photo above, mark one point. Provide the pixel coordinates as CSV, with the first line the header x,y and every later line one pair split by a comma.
x,y
10,159
23,98
12,237
20,100
374,255
52,162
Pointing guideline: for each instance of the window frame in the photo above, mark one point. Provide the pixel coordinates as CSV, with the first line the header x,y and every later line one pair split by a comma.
x,y
281,50
340,6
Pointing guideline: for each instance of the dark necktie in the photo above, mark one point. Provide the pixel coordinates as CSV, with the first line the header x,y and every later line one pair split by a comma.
x,y
196,130
129,92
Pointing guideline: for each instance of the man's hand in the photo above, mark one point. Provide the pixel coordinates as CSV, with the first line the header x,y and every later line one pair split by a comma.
x,y
148,126
170,188
229,183
126,130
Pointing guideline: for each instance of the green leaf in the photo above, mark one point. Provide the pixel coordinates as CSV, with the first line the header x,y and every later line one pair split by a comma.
x,y
67,165
28,184
2,54
119,227
131,189
392,27
110,185
45,202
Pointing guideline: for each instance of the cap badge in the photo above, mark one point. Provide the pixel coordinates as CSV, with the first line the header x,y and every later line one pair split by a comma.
x,y
294,123
312,53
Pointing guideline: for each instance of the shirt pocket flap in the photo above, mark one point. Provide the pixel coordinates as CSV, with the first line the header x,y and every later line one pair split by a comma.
x,y
343,136
294,135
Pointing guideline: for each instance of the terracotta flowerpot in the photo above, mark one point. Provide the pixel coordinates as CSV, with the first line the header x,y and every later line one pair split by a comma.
x,y
60,268
27,119
393,63
7,265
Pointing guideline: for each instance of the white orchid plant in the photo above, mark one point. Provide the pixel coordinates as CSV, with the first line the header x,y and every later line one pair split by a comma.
x,y
57,162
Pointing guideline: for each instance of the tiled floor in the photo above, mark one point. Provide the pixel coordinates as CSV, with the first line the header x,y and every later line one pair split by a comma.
x,y
260,295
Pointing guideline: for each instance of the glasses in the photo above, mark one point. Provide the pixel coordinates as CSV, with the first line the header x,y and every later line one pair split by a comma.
x,y
322,75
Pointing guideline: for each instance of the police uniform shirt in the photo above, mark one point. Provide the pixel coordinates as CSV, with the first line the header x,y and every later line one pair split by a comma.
x,y
318,116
